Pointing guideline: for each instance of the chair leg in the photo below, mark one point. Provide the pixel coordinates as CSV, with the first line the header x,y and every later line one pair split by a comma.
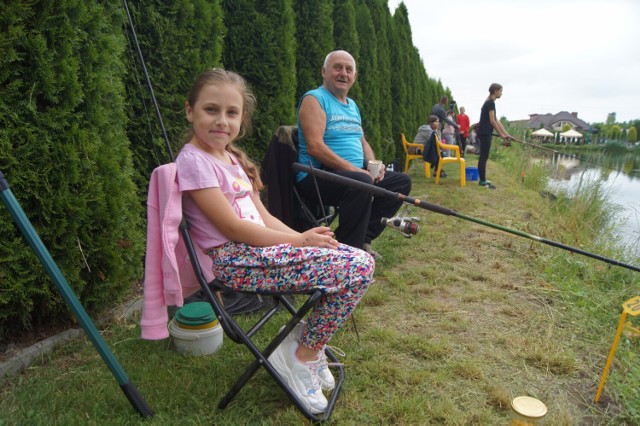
x,y
438,170
463,174
427,169
406,164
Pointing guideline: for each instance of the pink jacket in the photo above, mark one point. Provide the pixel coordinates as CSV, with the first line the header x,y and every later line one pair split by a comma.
x,y
168,273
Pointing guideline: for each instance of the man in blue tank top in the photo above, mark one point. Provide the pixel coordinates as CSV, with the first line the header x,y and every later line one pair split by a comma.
x,y
331,137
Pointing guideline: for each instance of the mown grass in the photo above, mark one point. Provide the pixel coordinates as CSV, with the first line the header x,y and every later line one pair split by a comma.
x,y
461,319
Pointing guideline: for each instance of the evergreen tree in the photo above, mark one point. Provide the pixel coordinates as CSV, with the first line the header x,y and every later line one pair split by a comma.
x,y
65,155
179,39
260,45
400,78
368,77
381,19
314,40
345,37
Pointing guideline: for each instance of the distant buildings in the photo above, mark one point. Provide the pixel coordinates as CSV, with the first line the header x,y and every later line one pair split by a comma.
x,y
556,123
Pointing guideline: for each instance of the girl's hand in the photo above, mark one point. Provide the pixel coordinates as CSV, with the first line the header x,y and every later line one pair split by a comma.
x,y
318,237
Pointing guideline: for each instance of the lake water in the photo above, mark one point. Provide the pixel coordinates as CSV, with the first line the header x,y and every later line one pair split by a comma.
x,y
619,176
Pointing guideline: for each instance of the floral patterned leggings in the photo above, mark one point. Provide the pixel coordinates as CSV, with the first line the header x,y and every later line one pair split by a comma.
x,y
343,275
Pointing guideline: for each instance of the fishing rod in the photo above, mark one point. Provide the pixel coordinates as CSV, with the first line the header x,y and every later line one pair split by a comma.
x,y
575,157
32,237
146,74
374,190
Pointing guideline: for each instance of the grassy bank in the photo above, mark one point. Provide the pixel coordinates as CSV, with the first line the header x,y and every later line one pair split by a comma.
x,y
461,319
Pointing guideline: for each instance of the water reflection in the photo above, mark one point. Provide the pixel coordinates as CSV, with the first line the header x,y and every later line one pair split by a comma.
x,y
619,175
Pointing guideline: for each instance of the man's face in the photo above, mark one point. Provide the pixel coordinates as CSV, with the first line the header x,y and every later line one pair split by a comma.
x,y
462,110
434,125
339,74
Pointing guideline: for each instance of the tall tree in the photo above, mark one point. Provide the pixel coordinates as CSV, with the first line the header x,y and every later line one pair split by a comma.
x,y
178,39
369,77
314,40
401,77
381,18
65,155
260,45
345,36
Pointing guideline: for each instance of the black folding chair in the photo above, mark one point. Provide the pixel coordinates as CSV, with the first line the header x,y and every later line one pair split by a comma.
x,y
236,333
283,199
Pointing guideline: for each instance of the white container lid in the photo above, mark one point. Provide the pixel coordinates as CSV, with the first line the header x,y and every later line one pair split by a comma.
x,y
529,407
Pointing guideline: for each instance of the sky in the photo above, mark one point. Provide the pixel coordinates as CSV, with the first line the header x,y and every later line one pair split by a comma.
x,y
549,55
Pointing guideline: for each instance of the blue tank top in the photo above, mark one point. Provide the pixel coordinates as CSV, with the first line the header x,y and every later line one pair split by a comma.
x,y
342,134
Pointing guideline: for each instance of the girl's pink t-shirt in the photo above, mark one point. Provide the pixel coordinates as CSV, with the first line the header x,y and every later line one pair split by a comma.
x,y
199,170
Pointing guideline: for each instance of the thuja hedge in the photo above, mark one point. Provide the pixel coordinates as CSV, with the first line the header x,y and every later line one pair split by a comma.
x,y
80,135
65,155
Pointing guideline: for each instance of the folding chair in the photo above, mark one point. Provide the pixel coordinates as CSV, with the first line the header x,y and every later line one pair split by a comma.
x,y
283,199
236,333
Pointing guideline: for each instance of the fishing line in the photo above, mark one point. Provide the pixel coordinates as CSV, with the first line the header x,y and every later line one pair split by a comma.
x,y
374,190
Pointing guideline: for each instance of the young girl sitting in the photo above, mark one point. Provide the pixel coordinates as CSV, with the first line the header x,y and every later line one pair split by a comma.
x,y
251,249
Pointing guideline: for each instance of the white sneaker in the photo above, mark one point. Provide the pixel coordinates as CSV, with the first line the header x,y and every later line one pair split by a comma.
x,y
299,376
327,382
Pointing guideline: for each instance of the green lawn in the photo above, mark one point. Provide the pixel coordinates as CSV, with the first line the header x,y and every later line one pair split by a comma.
x,y
461,319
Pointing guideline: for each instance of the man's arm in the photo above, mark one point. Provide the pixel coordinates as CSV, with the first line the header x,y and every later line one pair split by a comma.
x,y
313,121
438,111
368,152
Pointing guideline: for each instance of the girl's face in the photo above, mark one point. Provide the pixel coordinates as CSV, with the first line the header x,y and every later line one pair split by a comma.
x,y
216,116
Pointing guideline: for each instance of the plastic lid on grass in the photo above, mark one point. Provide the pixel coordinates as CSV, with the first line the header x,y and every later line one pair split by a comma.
x,y
196,313
529,407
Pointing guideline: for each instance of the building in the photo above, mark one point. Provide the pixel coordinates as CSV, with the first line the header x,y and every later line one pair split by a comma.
x,y
556,122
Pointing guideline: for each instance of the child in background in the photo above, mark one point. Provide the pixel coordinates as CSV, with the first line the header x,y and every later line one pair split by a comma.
x,y
251,249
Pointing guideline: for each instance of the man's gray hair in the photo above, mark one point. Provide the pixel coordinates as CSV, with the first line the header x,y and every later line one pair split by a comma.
x,y
326,59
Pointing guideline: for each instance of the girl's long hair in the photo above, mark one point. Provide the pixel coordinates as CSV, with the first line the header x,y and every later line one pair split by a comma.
x,y
220,76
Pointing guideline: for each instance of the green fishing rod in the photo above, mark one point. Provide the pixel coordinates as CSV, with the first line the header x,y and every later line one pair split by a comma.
x,y
32,237
381,192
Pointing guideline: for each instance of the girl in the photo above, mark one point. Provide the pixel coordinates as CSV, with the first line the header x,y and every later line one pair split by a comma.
x,y
489,122
251,249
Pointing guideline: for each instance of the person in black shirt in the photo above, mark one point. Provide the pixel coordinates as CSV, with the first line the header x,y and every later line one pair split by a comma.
x,y
488,123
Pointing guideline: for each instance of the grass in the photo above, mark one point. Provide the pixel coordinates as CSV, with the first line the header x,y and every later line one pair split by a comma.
x,y
461,319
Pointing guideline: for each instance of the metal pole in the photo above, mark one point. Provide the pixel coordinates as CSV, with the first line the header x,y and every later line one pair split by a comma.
x,y
446,211
69,296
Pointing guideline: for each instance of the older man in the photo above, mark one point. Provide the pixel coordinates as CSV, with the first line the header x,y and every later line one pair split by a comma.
x,y
331,137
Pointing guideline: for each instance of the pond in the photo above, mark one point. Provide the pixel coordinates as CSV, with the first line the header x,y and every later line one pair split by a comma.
x,y
619,176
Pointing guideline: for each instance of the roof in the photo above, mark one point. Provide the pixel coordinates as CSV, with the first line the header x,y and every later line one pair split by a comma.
x,y
537,121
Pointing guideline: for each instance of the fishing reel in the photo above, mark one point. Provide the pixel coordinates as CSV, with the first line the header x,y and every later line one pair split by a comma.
x,y
406,225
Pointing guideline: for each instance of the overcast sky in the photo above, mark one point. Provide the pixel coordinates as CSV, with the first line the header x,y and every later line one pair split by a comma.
x,y
550,55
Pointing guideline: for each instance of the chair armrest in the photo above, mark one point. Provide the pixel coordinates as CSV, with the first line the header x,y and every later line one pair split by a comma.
x,y
455,148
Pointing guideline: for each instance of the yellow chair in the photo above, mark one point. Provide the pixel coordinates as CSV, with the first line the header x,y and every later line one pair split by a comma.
x,y
445,160
410,150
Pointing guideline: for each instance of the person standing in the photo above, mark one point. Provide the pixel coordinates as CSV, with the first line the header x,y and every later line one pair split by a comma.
x,y
463,121
439,111
488,123
331,137
449,131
